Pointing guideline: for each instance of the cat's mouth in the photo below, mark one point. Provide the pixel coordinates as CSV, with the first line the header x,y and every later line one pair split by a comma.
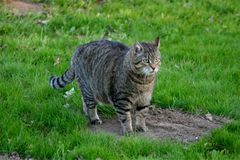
x,y
149,71
152,72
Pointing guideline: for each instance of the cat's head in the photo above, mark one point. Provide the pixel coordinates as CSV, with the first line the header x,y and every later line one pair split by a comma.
x,y
146,57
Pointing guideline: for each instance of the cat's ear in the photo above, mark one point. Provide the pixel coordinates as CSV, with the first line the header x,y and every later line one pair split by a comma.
x,y
138,48
157,42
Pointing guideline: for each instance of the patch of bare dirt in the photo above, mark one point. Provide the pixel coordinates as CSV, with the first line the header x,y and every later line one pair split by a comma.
x,y
169,124
22,8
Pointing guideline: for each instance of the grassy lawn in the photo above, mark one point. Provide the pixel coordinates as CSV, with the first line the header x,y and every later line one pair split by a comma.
x,y
200,47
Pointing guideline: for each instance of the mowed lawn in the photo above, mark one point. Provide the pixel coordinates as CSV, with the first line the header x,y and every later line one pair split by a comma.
x,y
200,47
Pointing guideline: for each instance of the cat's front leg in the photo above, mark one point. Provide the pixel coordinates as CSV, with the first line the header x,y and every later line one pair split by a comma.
x,y
124,116
141,114
126,123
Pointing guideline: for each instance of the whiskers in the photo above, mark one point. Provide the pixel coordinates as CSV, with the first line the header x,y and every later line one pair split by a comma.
x,y
145,78
147,71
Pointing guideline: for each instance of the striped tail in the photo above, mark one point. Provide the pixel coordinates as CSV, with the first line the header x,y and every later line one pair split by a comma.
x,y
61,82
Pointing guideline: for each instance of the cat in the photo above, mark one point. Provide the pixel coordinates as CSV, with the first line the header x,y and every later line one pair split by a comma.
x,y
109,72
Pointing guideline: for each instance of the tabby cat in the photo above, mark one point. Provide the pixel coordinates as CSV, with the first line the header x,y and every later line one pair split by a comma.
x,y
111,73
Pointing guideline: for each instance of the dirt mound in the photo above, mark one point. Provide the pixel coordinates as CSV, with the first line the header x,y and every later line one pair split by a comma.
x,y
22,8
171,124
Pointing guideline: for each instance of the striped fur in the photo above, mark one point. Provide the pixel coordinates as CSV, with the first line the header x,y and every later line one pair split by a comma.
x,y
111,73
61,82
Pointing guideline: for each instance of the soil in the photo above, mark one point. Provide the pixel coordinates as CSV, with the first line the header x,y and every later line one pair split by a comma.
x,y
169,124
22,8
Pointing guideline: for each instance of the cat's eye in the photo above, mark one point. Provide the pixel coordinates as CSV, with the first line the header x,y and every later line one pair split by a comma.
x,y
145,60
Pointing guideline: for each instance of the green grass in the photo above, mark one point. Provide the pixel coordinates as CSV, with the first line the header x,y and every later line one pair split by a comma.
x,y
200,73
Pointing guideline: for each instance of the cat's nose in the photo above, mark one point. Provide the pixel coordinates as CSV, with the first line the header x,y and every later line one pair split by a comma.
x,y
153,67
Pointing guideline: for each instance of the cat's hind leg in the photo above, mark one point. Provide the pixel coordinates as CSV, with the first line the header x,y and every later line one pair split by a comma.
x,y
90,110
89,105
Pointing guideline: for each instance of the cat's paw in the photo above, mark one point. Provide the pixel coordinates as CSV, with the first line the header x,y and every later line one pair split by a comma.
x,y
141,128
96,121
126,132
